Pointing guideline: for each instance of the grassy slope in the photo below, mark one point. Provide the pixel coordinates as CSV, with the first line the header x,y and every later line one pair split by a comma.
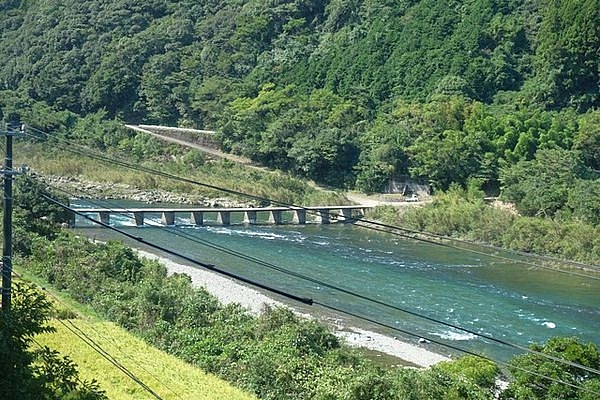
x,y
169,377
226,174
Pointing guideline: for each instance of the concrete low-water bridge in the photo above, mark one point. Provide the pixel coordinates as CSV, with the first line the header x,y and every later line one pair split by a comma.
x,y
274,215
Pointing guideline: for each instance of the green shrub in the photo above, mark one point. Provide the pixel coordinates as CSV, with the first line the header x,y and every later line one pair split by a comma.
x,y
27,372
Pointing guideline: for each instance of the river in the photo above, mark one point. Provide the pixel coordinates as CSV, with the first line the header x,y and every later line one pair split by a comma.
x,y
494,297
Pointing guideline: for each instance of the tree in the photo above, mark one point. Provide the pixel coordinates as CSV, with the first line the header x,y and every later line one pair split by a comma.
x,y
451,157
478,370
541,187
35,213
584,201
26,373
383,150
327,157
568,54
535,376
587,139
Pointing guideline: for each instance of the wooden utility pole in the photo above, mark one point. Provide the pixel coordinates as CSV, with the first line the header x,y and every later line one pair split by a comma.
x,y
12,129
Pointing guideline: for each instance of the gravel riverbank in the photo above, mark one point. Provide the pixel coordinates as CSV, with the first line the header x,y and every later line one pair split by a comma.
x,y
229,291
120,191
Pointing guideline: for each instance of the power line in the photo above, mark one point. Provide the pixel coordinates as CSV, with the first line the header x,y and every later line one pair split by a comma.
x,y
90,342
57,299
211,267
140,366
456,348
87,340
44,347
357,295
106,355
534,373
325,305
368,224
307,301
382,227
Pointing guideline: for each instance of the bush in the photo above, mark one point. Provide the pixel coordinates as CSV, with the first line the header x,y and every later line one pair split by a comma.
x,y
526,385
35,374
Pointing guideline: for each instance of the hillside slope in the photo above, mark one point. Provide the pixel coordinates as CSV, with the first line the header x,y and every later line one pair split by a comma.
x,y
165,375
349,93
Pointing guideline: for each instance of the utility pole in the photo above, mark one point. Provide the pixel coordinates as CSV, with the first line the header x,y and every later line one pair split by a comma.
x,y
11,129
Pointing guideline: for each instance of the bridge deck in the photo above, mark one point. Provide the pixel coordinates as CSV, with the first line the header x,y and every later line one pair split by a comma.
x,y
323,214
213,209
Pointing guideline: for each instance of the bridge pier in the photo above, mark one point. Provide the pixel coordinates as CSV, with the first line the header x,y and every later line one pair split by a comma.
x,y
345,215
104,217
250,217
197,218
299,217
224,217
168,218
275,217
323,216
139,218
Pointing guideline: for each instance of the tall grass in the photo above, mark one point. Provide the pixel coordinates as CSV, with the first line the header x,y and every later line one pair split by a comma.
x,y
167,376
219,173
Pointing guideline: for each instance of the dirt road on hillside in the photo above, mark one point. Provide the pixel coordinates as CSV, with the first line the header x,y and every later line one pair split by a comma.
x,y
356,197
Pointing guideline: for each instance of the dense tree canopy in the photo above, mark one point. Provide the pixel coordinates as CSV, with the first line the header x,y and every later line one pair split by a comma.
x,y
560,380
345,92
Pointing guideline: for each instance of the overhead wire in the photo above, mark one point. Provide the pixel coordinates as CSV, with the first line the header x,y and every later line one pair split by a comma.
x,y
75,330
338,310
390,228
164,249
472,353
104,353
91,154
257,197
404,331
132,359
369,299
179,233
115,343
368,224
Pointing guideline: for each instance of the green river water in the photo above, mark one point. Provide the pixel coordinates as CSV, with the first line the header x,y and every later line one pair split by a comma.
x,y
493,296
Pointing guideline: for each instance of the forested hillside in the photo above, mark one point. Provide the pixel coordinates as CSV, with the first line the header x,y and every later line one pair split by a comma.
x,y
346,92
494,96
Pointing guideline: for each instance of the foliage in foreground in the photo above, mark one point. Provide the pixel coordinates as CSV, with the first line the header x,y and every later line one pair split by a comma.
x,y
27,372
147,367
